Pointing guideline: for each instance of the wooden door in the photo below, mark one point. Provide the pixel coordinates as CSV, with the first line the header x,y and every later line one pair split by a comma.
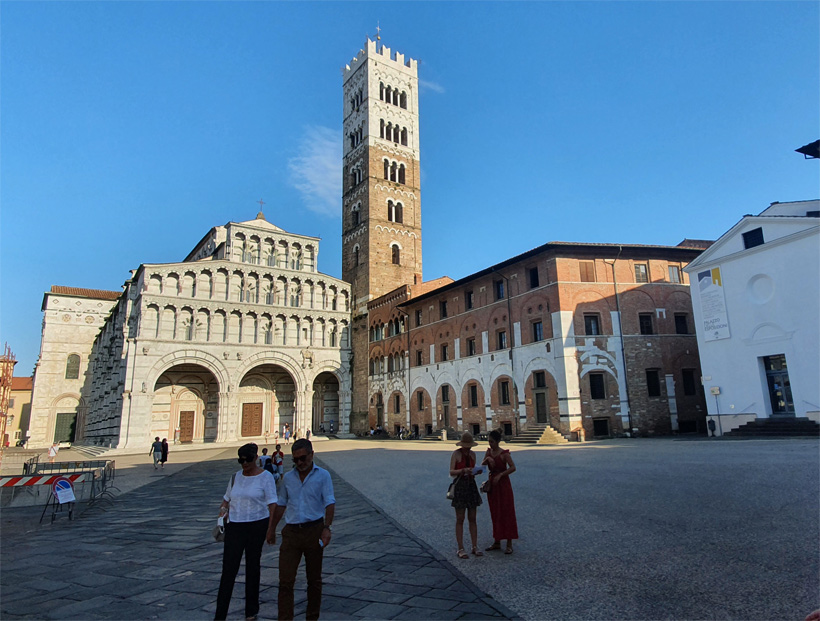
x,y
186,426
541,407
251,419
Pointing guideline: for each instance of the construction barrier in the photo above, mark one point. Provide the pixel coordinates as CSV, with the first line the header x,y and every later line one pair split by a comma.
x,y
43,479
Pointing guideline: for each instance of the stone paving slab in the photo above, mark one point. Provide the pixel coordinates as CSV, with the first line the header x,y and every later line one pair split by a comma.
x,y
149,555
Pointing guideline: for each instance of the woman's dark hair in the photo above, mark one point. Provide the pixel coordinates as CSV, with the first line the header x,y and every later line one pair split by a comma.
x,y
495,434
248,450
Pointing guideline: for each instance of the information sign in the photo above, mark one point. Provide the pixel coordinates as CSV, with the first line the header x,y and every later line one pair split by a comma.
x,y
63,490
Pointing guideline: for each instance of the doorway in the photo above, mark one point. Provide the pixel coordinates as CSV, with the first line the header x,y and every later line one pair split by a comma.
x,y
186,426
540,393
65,426
780,390
251,419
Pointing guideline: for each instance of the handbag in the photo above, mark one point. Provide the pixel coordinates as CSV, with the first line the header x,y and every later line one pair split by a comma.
x,y
451,491
485,487
219,530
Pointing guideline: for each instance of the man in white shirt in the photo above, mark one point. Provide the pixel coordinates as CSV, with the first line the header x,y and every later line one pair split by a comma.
x,y
307,495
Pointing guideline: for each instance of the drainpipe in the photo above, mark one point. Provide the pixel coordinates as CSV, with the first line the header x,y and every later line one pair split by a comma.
x,y
621,331
407,319
511,344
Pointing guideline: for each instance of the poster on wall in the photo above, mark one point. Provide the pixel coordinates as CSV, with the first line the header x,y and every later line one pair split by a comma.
x,y
713,305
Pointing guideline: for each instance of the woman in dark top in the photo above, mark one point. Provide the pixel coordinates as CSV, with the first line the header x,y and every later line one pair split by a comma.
x,y
164,456
465,496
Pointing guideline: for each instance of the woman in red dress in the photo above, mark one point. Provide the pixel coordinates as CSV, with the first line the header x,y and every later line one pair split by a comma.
x,y
500,494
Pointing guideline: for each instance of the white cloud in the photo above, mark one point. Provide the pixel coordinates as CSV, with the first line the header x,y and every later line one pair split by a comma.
x,y
316,171
432,86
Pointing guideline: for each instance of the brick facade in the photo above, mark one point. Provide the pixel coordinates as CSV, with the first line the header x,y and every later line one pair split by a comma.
x,y
543,331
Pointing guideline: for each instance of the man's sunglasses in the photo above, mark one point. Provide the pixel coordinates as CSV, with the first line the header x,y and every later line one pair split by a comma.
x,y
248,460
301,458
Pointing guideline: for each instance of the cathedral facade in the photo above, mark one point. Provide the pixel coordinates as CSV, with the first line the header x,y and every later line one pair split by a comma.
x,y
240,338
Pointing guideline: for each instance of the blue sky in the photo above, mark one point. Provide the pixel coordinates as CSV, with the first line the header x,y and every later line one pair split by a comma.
x,y
129,129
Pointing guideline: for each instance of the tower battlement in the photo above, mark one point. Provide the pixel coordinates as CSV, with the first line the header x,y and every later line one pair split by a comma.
x,y
382,54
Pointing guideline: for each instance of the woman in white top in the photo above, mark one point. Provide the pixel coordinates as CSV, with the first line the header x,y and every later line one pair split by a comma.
x,y
251,498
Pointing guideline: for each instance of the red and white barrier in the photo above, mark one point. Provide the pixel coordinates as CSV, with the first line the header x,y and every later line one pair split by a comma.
x,y
40,479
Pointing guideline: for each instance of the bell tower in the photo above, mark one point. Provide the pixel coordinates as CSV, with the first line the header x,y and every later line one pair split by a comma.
x,y
381,202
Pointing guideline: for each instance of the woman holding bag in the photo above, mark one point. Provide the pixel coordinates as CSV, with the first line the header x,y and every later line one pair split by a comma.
x,y
465,495
500,494
249,502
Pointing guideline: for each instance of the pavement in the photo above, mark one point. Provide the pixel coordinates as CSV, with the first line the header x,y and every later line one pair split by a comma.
x,y
149,554
620,529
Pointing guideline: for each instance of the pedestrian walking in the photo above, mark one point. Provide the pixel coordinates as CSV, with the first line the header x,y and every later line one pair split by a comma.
x,y
250,504
500,494
286,433
276,437
164,456
307,434
465,497
308,502
156,451
52,452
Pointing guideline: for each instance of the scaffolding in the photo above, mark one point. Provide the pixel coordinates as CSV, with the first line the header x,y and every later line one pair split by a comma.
x,y
7,362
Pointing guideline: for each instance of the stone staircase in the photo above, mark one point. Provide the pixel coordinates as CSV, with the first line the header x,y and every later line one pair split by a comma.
x,y
776,428
538,434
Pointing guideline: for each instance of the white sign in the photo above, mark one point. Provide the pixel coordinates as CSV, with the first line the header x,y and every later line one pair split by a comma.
x,y
713,305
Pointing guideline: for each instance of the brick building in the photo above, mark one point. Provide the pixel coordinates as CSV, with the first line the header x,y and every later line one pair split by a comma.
x,y
575,336
569,335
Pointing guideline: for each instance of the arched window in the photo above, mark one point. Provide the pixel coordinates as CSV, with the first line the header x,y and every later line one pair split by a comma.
x,y
381,91
381,128
396,254
401,174
403,101
394,170
355,215
390,211
404,136
356,254
396,97
386,169
388,94
72,367
398,216
396,134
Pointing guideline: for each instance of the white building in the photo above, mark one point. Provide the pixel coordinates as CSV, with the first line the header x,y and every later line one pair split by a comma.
x,y
241,337
756,298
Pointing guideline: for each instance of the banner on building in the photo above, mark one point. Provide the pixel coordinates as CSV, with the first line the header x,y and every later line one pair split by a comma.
x,y
713,305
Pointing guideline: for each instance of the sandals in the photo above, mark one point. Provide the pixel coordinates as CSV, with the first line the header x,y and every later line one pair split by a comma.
x,y
495,546
462,554
508,550
477,552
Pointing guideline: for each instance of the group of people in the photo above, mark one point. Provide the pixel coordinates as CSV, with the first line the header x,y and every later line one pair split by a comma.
x,y
466,497
254,506
159,450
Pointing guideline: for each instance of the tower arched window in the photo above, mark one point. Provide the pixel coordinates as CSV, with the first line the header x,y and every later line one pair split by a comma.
x,y
356,255
394,171
404,136
395,97
396,134
390,210
396,255
401,174
355,215
381,91
397,213
381,128
386,169
72,367
388,94
403,100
